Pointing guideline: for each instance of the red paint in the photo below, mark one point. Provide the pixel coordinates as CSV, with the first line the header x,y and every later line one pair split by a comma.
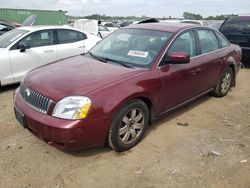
x,y
110,86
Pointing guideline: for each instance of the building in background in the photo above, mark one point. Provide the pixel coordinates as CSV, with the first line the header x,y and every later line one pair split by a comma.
x,y
44,17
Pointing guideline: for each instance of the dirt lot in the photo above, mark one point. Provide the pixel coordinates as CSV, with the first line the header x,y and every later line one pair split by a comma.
x,y
212,151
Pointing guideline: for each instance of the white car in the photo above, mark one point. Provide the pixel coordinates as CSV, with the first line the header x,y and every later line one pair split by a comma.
x,y
103,31
26,48
111,26
91,26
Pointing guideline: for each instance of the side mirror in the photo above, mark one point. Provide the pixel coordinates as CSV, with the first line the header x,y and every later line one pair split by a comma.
x,y
23,47
179,58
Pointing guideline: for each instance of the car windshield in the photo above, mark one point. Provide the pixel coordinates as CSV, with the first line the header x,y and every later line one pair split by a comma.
x,y
240,23
7,38
131,47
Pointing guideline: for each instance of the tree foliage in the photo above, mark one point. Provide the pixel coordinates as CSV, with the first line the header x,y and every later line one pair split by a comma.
x,y
104,17
192,16
186,15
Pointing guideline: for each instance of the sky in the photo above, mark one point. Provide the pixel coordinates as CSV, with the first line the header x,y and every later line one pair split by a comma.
x,y
157,8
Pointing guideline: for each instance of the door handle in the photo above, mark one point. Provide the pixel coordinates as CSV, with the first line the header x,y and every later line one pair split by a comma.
x,y
81,46
195,71
47,51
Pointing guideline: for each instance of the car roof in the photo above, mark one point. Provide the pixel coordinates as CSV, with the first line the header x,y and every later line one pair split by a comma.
x,y
38,28
163,26
6,23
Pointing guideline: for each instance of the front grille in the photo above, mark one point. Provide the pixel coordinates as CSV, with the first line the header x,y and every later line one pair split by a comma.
x,y
35,100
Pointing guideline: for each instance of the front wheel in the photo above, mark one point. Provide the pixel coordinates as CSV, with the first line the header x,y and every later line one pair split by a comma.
x,y
224,84
128,125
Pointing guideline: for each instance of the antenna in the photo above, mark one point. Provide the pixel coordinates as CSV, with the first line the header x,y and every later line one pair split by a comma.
x,y
83,28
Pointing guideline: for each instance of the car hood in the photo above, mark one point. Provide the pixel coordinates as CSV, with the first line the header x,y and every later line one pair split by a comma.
x,y
90,26
29,21
79,75
1,49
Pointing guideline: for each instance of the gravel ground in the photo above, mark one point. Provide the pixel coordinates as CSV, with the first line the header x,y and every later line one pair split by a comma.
x,y
212,151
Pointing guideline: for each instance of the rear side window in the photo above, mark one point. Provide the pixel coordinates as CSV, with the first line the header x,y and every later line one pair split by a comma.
x,y
236,23
81,36
67,36
223,42
208,41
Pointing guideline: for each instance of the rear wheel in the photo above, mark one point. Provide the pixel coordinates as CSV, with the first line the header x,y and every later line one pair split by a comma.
x,y
128,125
224,84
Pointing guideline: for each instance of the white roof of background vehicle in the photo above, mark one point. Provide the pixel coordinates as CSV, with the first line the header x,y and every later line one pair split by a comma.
x,y
38,28
183,21
192,21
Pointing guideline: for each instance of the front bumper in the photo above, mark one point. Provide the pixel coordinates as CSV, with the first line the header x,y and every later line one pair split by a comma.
x,y
63,134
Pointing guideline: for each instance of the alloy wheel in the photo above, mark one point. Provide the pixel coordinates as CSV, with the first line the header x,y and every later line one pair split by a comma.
x,y
226,82
131,126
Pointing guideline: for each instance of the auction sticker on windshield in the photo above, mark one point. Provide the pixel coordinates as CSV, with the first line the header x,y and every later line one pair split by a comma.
x,y
137,53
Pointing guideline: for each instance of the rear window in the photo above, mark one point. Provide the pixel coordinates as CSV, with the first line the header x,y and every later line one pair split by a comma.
x,y
67,36
236,23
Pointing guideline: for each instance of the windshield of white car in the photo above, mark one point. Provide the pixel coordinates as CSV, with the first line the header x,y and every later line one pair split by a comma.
x,y
134,47
7,38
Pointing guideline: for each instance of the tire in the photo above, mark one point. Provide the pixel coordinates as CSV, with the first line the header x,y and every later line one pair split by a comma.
x,y
224,84
128,125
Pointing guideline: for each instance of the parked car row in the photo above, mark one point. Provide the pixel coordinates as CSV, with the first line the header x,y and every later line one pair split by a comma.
x,y
115,91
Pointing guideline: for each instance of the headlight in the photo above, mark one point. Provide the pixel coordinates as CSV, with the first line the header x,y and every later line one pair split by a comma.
x,y
74,107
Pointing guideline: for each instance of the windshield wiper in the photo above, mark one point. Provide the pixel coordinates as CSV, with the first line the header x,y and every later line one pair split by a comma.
x,y
106,60
118,62
97,57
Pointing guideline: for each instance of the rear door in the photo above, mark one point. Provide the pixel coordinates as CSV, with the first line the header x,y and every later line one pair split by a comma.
x,y
69,43
211,58
40,52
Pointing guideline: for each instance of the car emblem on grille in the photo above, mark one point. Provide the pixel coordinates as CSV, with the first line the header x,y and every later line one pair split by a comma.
x,y
26,93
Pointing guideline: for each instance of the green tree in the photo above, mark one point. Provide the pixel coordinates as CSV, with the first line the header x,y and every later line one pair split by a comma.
x,y
192,16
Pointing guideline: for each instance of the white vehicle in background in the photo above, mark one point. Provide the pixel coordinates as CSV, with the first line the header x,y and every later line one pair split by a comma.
x,y
103,31
91,26
26,48
196,22
110,25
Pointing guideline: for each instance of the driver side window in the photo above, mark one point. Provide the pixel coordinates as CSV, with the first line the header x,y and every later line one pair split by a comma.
x,y
38,39
183,43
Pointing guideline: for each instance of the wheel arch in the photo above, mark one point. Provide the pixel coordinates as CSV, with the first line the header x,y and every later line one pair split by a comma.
x,y
149,104
232,66
146,99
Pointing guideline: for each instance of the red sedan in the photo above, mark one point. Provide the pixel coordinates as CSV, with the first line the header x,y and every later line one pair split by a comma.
x,y
129,79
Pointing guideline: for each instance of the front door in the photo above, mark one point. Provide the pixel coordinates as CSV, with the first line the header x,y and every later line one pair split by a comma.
x,y
39,51
180,82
